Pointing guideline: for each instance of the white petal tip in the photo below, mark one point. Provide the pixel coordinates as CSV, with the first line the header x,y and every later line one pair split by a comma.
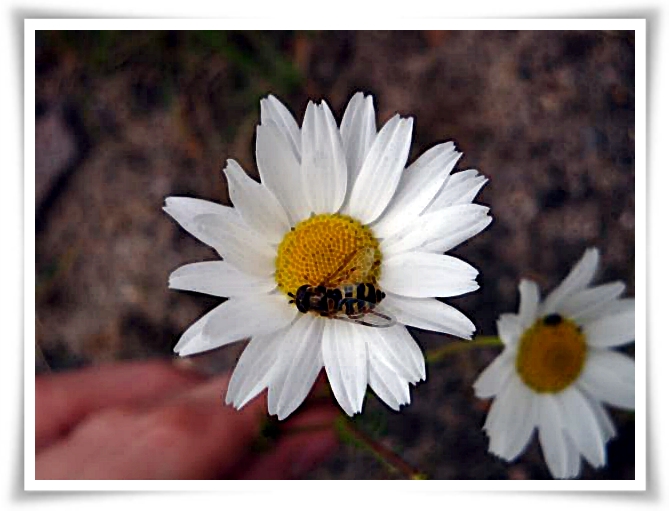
x,y
170,201
407,122
501,456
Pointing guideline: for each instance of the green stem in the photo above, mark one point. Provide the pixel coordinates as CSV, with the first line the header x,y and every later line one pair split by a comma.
x,y
348,432
457,347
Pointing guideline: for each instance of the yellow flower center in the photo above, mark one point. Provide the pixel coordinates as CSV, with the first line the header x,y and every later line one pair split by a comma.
x,y
320,247
551,354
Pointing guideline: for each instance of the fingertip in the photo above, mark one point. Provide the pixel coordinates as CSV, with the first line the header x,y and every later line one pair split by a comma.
x,y
315,450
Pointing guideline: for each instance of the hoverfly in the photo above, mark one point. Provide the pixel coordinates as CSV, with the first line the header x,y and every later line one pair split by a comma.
x,y
342,295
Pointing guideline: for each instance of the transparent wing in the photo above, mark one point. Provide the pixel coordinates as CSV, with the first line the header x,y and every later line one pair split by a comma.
x,y
354,269
364,313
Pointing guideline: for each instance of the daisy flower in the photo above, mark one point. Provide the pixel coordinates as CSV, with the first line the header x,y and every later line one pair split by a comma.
x,y
556,370
326,194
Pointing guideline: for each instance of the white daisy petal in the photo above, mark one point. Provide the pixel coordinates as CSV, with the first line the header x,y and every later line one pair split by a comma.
x,y
609,377
323,167
573,458
509,329
591,300
185,209
471,227
381,171
447,227
382,389
495,422
579,278
238,244
253,371
494,377
407,347
386,383
418,185
580,423
609,331
193,340
358,130
460,188
606,426
551,437
399,350
240,318
273,112
345,360
422,274
219,278
519,420
301,361
279,171
500,419
429,314
529,303
619,306
256,204
193,335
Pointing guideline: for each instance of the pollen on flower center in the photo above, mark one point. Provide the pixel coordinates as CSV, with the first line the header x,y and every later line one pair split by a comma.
x,y
316,248
551,354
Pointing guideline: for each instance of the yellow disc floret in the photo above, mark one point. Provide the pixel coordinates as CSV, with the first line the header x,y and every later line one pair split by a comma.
x,y
551,354
317,248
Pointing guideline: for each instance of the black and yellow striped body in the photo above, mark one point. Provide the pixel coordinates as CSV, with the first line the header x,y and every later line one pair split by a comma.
x,y
354,300
350,299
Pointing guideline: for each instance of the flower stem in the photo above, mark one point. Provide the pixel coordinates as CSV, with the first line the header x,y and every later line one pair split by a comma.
x,y
348,432
456,347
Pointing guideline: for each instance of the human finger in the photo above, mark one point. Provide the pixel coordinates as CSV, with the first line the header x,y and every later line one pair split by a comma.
x,y
303,443
192,436
63,400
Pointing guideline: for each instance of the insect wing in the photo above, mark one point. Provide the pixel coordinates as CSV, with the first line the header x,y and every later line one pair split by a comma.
x,y
364,313
354,269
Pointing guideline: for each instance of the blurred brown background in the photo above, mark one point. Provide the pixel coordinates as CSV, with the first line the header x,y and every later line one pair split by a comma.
x,y
124,119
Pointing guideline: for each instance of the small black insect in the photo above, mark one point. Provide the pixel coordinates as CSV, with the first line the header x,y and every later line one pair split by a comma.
x,y
552,319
